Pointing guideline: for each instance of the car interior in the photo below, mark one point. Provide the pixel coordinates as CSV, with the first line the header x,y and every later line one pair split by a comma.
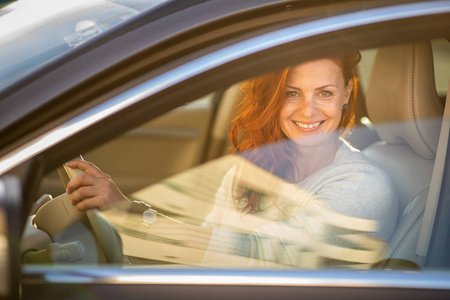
x,y
402,91
402,98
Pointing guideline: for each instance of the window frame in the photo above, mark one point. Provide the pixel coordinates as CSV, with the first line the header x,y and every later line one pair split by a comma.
x,y
227,73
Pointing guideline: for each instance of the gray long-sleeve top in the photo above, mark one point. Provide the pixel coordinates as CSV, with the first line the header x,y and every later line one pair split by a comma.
x,y
341,212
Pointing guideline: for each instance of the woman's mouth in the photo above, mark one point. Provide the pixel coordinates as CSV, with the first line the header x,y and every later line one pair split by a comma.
x,y
308,125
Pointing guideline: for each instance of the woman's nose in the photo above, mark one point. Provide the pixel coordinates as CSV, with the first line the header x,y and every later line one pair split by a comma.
x,y
307,107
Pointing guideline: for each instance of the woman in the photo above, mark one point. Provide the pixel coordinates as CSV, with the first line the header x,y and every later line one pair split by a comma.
x,y
301,112
288,123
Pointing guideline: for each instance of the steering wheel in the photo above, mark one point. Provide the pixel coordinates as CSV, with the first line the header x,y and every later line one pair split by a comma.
x,y
81,237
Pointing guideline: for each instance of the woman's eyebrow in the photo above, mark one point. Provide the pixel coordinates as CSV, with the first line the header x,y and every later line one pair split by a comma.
x,y
325,86
320,87
293,87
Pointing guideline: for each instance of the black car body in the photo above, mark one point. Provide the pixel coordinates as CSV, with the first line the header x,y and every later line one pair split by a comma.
x,y
160,60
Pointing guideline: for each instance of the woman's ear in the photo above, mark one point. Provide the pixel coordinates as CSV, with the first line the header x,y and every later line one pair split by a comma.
x,y
349,90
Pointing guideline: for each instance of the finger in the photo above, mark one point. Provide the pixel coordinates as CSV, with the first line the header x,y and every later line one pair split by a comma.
x,y
83,193
87,167
89,203
79,181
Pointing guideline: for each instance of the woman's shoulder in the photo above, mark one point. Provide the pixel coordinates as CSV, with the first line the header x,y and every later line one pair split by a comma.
x,y
352,174
346,153
365,190
351,159
355,168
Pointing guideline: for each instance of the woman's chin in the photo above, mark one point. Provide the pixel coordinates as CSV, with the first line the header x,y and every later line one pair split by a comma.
x,y
312,140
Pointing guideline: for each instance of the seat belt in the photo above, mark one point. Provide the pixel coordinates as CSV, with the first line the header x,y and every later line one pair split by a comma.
x,y
435,184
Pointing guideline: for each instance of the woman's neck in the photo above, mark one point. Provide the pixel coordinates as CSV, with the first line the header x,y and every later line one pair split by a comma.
x,y
311,159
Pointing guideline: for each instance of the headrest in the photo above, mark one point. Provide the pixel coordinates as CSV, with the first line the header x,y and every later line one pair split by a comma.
x,y
401,97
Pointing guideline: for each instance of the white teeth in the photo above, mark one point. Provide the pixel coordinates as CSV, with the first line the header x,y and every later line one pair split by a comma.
x,y
307,125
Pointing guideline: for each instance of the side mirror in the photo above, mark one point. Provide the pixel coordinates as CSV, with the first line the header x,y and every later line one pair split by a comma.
x,y
10,204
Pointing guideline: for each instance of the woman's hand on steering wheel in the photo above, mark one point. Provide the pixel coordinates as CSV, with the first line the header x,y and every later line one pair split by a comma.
x,y
94,189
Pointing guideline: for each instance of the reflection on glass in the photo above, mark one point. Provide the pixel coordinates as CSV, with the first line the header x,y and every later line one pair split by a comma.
x,y
293,194
35,32
293,229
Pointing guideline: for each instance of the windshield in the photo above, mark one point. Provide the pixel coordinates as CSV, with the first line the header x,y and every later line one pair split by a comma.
x,y
36,32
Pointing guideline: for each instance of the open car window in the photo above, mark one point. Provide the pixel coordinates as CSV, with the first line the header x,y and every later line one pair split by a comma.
x,y
182,169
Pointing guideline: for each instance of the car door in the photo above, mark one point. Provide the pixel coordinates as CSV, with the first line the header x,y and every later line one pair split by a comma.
x,y
189,78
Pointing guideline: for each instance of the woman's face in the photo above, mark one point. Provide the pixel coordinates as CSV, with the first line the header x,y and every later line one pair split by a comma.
x,y
314,98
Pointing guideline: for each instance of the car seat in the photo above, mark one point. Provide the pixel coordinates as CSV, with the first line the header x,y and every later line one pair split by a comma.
x,y
405,109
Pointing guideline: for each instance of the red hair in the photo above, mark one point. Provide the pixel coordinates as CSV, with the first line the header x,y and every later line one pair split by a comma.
x,y
256,132
256,123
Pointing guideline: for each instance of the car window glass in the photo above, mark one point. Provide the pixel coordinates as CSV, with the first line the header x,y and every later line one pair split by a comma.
x,y
194,194
35,33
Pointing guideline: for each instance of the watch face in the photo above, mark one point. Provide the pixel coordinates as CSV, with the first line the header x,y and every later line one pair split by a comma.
x,y
149,217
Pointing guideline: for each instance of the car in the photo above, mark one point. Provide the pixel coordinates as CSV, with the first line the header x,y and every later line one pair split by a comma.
x,y
145,90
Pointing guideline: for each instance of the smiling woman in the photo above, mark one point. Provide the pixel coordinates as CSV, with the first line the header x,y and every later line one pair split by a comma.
x,y
288,124
316,94
311,104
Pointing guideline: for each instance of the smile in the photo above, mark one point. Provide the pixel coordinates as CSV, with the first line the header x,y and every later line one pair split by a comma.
x,y
308,126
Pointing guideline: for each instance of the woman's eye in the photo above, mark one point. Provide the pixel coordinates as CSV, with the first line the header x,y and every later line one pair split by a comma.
x,y
326,94
291,94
